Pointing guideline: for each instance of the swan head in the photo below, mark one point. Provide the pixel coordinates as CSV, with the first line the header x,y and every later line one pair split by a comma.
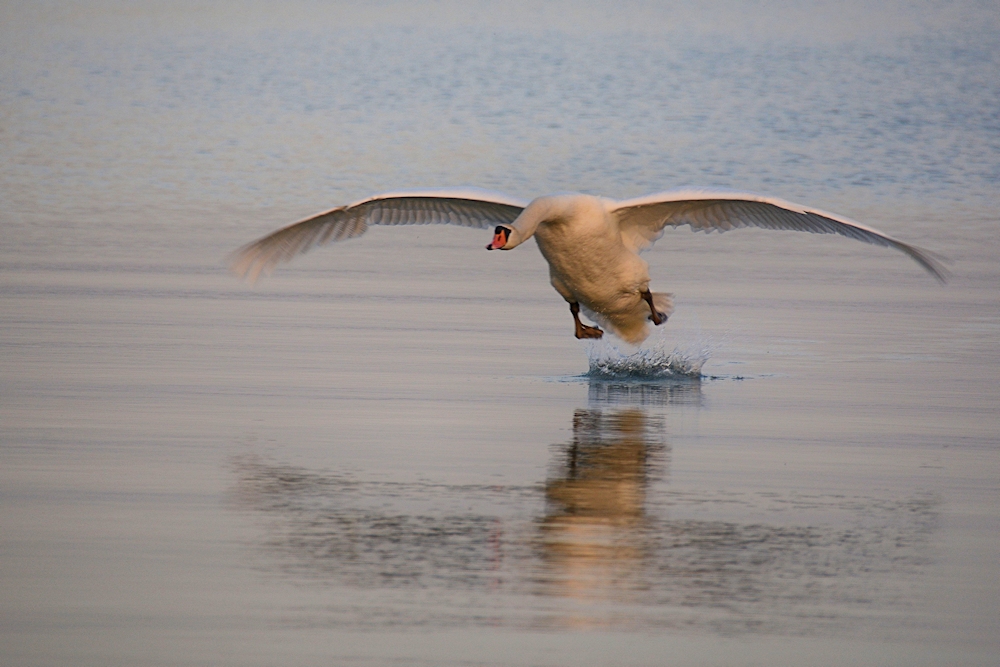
x,y
501,235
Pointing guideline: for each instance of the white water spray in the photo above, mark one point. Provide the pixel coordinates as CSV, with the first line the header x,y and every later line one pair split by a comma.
x,y
657,358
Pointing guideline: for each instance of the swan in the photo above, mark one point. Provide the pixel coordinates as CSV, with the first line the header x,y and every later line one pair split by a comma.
x,y
591,244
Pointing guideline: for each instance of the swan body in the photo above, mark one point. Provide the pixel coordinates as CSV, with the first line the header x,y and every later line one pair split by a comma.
x,y
591,244
589,262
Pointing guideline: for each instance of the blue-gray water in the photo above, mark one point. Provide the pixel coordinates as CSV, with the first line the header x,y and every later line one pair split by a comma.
x,y
389,452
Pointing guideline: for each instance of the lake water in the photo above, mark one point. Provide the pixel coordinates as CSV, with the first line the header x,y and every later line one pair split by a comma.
x,y
391,451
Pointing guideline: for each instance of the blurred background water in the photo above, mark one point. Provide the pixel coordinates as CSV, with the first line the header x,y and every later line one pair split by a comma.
x,y
391,451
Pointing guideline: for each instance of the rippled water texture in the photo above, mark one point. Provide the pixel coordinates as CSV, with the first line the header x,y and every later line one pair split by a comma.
x,y
393,451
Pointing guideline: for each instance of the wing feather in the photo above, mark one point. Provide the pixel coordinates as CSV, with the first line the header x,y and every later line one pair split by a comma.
x,y
643,220
470,207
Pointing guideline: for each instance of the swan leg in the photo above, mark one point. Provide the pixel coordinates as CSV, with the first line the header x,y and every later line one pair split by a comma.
x,y
657,317
582,330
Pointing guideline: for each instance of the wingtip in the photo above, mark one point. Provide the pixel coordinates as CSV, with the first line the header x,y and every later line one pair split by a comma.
x,y
244,265
932,262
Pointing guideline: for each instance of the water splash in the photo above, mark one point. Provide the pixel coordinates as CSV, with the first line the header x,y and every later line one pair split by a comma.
x,y
656,359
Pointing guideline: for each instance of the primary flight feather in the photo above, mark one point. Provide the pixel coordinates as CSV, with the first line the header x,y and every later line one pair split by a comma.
x,y
592,244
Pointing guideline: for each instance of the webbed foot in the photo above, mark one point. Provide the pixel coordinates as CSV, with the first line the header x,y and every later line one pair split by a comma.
x,y
584,331
656,317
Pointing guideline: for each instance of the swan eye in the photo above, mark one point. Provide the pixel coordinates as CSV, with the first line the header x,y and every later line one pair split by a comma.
x,y
501,230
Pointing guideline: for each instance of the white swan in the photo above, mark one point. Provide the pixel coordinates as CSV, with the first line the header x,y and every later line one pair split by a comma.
x,y
592,244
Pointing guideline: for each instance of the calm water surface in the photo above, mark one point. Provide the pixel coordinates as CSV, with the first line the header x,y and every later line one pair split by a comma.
x,y
391,452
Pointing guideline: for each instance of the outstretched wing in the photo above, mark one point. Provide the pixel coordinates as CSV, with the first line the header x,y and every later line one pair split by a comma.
x,y
643,220
468,207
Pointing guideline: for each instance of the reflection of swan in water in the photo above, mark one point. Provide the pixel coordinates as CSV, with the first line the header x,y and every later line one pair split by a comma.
x,y
594,534
603,541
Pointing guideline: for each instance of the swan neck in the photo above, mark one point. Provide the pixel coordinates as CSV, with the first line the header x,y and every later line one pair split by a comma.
x,y
526,224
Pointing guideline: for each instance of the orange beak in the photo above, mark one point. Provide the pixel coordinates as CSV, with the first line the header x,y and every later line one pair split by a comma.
x,y
499,239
